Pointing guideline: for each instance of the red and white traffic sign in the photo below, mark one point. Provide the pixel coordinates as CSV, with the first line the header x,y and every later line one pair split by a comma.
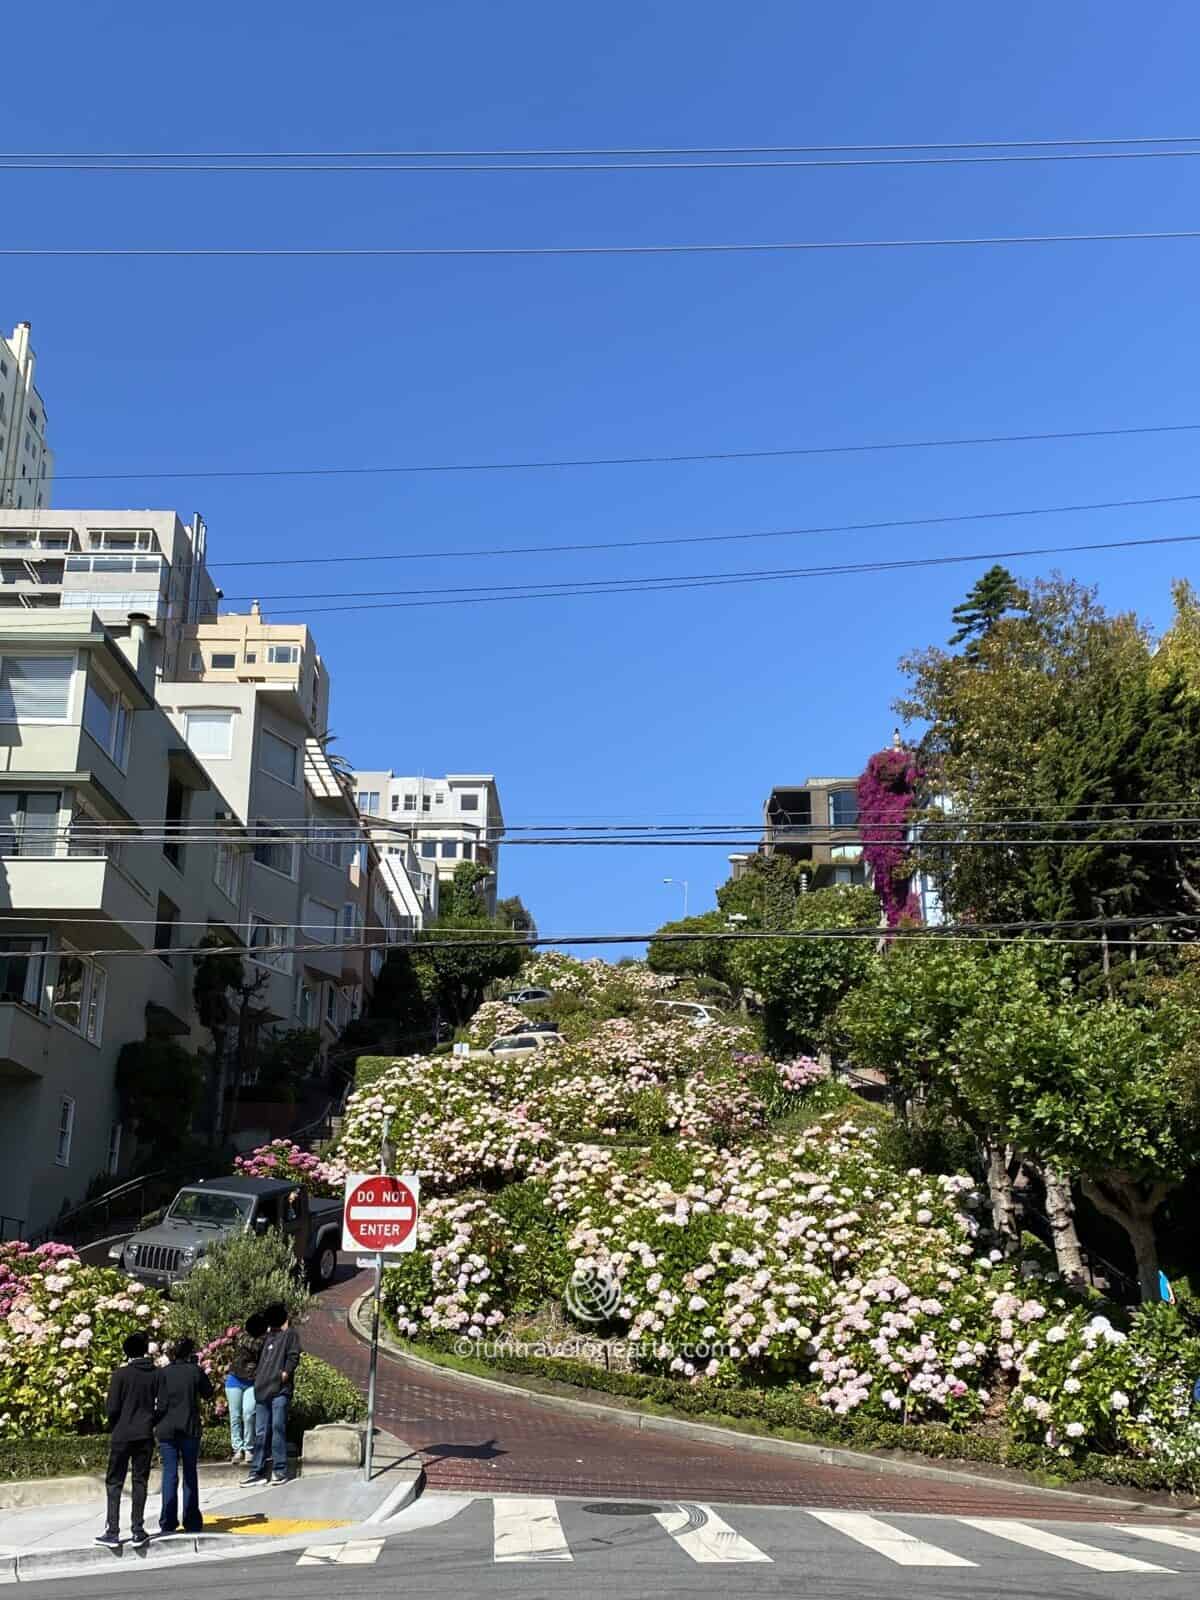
x,y
379,1215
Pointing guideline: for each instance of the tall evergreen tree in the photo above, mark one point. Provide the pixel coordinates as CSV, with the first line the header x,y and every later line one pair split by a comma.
x,y
995,595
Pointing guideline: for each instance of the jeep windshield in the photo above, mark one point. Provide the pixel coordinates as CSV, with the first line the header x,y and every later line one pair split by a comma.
x,y
203,1206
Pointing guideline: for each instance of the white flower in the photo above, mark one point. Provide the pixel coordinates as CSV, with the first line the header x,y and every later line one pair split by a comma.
x,y
1119,1400
1074,1430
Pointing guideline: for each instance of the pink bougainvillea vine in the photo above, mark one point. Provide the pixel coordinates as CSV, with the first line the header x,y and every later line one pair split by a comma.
x,y
887,798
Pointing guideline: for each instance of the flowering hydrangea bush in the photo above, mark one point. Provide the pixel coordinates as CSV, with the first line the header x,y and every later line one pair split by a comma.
x,y
454,1282
287,1161
493,1020
61,1332
563,974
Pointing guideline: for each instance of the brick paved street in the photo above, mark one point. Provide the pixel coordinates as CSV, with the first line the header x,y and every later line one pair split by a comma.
x,y
475,1441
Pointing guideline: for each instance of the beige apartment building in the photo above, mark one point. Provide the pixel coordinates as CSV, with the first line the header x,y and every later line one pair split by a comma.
x,y
816,821
445,820
26,461
96,889
239,647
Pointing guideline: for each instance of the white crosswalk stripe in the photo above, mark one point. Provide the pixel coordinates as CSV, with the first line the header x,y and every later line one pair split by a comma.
x,y
1176,1537
712,1540
356,1553
905,1549
1054,1544
526,1528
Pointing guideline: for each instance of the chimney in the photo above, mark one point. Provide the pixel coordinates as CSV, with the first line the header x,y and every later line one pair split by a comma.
x,y
141,648
255,609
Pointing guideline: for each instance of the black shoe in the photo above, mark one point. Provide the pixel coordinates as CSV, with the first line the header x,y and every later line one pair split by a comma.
x,y
111,1541
281,1478
139,1539
254,1479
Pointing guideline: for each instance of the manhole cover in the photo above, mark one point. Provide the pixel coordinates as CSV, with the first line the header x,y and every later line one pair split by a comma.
x,y
621,1508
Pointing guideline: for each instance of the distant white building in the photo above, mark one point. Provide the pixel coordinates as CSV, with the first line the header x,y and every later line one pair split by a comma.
x,y
26,462
442,821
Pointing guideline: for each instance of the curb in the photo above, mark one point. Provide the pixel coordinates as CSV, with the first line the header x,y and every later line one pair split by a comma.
x,y
30,1494
708,1433
36,1563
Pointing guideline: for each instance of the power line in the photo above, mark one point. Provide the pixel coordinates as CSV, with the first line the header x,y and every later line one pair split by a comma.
x,y
600,150
629,461
425,169
767,248
877,526
727,580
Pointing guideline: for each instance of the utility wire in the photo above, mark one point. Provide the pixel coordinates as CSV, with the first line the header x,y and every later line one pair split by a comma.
x,y
739,164
629,461
600,150
767,248
877,526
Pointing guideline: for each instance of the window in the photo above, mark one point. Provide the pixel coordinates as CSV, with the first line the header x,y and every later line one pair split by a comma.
x,y
283,655
224,661
165,928
306,1006
410,802
429,848
351,923
325,841
66,1127
266,939
449,849
210,733
468,850
468,802
843,808
368,802
113,1160
175,815
227,871
35,688
425,802
320,923
395,802
106,717
97,993
251,657
196,661
376,962
69,984
278,757
440,798
274,849
29,822
22,964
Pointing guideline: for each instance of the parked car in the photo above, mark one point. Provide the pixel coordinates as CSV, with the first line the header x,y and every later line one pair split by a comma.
x,y
205,1212
687,1011
528,997
541,1027
520,1044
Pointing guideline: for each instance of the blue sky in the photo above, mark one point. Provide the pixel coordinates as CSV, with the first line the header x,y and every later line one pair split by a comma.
x,y
646,706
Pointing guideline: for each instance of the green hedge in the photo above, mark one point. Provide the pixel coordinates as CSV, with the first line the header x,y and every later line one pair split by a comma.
x,y
68,1456
791,1414
369,1068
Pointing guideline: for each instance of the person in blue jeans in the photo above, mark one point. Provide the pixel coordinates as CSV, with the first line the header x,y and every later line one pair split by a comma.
x,y
239,1388
182,1385
274,1380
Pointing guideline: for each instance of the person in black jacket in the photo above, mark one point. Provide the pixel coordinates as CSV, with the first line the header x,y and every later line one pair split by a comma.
x,y
130,1412
274,1379
182,1384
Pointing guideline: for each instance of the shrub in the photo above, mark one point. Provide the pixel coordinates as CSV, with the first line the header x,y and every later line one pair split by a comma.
x,y
236,1277
323,1394
287,1161
68,1456
368,1069
61,1330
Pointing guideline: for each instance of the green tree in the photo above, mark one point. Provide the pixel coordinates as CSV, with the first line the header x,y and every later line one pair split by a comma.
x,y
800,981
693,958
237,1276
992,597
159,1085
514,914
1098,1087
284,1061
766,891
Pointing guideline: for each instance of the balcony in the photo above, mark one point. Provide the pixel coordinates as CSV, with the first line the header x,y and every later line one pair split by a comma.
x,y
113,911
24,1040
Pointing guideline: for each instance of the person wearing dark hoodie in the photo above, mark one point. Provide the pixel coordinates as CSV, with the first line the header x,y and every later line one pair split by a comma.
x,y
130,1413
239,1387
182,1385
274,1379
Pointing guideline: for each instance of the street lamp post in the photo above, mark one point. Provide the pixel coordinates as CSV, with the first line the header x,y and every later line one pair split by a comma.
x,y
680,883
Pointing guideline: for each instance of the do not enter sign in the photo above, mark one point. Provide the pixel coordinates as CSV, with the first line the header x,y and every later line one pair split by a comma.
x,y
380,1214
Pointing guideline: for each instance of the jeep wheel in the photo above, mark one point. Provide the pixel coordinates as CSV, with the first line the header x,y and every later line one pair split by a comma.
x,y
324,1267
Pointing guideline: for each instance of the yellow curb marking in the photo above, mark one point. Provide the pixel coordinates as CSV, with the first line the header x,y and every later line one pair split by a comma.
x,y
260,1523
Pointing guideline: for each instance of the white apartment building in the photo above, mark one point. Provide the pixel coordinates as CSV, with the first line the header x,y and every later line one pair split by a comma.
x,y
111,563
26,462
447,820
239,647
90,885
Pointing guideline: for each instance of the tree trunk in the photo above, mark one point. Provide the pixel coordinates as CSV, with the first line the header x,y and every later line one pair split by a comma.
x,y
1059,1207
1133,1205
1003,1200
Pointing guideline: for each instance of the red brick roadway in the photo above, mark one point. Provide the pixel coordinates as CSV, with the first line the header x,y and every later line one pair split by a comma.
x,y
475,1441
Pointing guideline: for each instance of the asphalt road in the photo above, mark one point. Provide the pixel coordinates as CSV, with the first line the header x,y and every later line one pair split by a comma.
x,y
448,1545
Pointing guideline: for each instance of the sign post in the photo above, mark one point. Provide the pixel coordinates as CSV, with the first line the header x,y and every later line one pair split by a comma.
x,y
379,1218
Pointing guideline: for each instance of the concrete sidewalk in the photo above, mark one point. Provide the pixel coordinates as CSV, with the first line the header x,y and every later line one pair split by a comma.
x,y
319,1507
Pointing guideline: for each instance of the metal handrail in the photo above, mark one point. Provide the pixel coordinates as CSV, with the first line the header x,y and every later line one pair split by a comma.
x,y
64,1222
19,1226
